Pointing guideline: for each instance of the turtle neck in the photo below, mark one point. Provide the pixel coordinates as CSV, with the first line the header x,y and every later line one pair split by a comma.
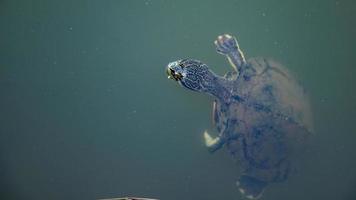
x,y
217,86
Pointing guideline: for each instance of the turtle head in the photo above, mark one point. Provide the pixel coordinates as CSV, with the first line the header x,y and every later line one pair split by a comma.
x,y
191,74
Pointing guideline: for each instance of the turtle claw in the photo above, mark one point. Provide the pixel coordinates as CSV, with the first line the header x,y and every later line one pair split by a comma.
x,y
211,143
250,187
226,44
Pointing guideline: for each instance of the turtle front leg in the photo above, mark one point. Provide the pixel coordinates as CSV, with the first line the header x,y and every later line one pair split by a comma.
x,y
213,144
227,45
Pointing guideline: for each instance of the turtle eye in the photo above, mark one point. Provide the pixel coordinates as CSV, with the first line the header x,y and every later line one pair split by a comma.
x,y
174,75
178,76
181,65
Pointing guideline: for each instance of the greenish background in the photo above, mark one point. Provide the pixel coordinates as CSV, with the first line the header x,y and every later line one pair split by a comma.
x,y
87,112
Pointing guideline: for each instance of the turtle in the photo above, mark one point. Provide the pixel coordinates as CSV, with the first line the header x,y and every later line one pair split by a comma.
x,y
261,113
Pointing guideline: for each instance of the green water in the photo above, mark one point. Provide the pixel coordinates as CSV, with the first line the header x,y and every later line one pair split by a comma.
x,y
87,112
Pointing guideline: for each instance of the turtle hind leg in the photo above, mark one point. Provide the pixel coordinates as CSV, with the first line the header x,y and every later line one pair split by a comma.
x,y
213,144
227,45
251,187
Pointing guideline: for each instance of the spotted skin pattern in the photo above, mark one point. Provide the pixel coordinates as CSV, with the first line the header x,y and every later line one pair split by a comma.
x,y
261,114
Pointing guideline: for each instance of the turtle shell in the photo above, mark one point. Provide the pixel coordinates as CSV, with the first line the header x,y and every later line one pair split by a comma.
x,y
267,120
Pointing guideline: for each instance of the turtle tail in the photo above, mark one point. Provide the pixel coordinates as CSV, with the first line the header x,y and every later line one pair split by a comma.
x,y
251,187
